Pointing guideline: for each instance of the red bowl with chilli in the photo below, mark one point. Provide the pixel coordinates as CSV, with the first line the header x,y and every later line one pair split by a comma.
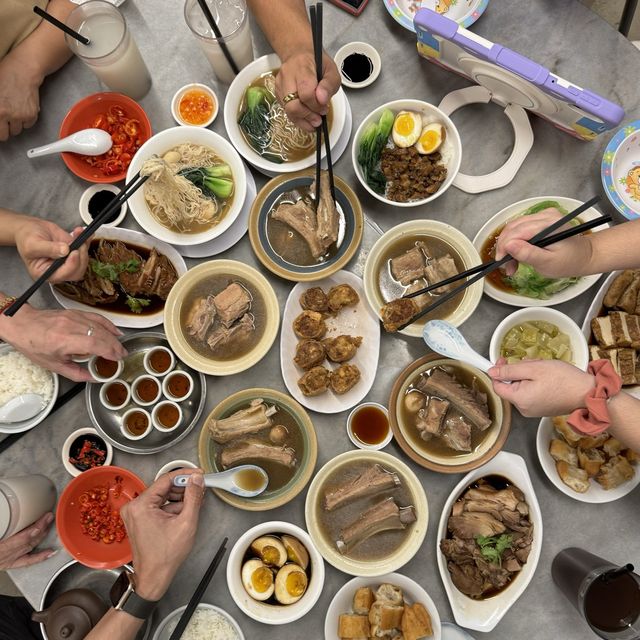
x,y
118,114
77,501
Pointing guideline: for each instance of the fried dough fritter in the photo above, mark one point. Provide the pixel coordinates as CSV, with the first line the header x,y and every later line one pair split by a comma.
x,y
397,312
309,354
341,348
315,381
344,378
310,325
315,299
342,295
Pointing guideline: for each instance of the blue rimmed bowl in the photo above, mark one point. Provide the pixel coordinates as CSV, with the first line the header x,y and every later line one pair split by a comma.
x,y
349,239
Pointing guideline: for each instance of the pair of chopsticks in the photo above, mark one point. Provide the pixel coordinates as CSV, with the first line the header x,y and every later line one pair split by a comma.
x,y
61,25
128,190
541,239
216,30
322,131
199,592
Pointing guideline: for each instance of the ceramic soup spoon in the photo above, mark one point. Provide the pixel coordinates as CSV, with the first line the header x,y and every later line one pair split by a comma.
x,y
245,481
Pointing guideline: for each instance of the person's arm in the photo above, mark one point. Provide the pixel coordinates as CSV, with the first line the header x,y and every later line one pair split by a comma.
x,y
25,67
161,536
286,26
599,252
535,391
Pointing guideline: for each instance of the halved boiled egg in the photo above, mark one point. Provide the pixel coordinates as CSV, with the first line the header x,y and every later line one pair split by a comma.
x,y
406,128
270,550
291,584
431,138
257,579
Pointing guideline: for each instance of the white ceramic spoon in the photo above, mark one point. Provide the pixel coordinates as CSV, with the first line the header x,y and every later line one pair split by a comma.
x,y
88,142
230,480
23,407
443,338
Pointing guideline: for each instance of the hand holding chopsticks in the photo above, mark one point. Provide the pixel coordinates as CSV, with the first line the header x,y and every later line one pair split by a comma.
x,y
114,205
541,239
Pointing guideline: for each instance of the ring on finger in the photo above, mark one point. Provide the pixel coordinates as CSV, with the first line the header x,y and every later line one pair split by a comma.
x,y
90,330
289,97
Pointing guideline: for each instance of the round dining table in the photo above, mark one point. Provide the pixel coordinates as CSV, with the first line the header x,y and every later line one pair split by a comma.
x,y
564,36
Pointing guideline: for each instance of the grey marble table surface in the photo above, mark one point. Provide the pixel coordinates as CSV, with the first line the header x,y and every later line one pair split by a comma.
x,y
564,36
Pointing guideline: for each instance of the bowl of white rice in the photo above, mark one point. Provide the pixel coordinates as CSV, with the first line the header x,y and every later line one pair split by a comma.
x,y
207,622
18,375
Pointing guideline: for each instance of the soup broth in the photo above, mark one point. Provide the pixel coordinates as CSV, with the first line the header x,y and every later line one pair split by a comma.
x,y
391,289
279,475
331,523
437,446
242,343
267,129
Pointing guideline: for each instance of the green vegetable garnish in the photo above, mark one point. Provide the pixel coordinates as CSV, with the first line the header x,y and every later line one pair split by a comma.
x,y
372,142
492,547
137,304
215,181
112,271
254,120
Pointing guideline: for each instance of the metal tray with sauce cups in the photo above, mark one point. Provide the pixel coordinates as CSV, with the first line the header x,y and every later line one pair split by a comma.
x,y
108,422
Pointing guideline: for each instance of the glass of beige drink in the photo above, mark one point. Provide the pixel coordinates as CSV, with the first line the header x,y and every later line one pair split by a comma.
x,y
23,500
232,19
112,52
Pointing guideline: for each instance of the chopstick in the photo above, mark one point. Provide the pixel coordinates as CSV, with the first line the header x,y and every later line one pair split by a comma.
x,y
198,593
545,242
61,25
496,264
315,12
216,30
128,190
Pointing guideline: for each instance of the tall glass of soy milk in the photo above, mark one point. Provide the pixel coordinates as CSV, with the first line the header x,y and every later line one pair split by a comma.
x,y
232,19
112,52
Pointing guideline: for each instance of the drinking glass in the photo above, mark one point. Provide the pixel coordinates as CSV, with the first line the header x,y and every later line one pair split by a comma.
x,y
232,18
112,53
607,598
23,500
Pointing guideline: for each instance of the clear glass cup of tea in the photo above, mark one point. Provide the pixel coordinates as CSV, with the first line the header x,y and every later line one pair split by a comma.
x,y
232,18
112,53
608,596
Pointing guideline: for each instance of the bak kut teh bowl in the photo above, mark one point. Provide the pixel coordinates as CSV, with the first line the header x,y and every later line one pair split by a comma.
x,y
410,402
340,521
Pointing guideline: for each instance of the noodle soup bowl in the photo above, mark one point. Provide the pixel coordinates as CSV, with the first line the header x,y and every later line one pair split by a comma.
x,y
158,145
232,105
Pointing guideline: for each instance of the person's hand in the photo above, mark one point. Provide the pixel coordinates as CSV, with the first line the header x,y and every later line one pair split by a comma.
x,y
542,387
19,96
162,534
39,242
17,550
52,338
558,260
298,75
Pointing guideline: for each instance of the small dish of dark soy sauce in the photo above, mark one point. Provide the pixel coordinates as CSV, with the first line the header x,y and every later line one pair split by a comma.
x,y
359,64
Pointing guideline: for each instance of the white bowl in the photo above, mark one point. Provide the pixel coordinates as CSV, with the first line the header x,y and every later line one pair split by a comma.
x,y
146,361
266,613
484,615
134,390
156,422
175,464
413,593
159,145
162,634
510,213
165,385
431,228
428,111
596,494
83,206
97,377
124,430
66,447
103,396
175,103
579,348
363,48
232,106
359,443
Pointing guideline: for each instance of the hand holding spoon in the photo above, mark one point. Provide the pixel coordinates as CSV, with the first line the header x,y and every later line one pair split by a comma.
x,y
87,142
245,481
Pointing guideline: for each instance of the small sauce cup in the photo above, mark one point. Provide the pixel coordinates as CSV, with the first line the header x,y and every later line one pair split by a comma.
x,y
104,370
73,446
177,386
115,394
190,96
159,361
175,465
136,423
146,390
368,426
166,416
